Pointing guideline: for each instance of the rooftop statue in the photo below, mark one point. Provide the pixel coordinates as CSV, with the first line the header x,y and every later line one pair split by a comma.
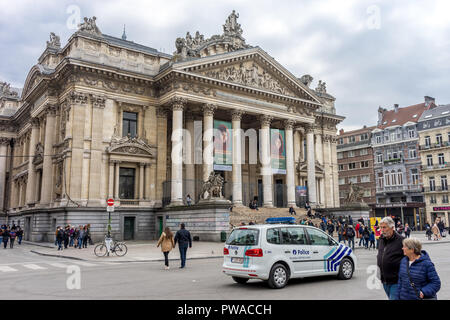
x,y
89,26
54,42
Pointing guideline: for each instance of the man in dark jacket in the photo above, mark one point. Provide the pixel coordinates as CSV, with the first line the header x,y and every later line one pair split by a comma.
x,y
390,254
330,228
183,237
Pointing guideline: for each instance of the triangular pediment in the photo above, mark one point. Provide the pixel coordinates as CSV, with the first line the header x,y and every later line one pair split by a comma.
x,y
251,68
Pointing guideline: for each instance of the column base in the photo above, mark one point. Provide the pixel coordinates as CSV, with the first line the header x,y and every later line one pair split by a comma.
x,y
268,205
176,204
238,204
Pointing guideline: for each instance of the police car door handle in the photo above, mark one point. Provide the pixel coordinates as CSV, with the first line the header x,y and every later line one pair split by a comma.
x,y
315,251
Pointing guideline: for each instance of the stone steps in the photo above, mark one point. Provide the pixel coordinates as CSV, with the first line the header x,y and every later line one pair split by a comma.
x,y
245,214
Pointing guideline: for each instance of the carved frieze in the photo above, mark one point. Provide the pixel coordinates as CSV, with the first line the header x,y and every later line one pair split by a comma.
x,y
78,97
98,101
131,146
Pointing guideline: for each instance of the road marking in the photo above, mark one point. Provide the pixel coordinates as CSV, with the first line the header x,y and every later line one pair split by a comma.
x,y
140,258
34,267
7,269
58,265
85,264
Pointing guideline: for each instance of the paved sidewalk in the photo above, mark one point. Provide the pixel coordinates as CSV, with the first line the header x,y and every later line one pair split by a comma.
x,y
138,251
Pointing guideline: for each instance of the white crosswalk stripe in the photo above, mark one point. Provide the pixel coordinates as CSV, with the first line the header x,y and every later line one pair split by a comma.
x,y
7,269
34,267
59,265
85,264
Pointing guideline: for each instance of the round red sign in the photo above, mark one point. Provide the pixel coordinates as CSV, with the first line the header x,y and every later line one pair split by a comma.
x,y
110,202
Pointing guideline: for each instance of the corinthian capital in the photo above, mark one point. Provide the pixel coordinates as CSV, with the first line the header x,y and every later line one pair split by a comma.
x,y
161,112
309,128
208,109
78,97
98,101
4,141
236,115
289,124
35,122
178,103
51,110
265,120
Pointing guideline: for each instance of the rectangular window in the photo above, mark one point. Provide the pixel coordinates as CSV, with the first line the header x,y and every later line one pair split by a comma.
x,y
380,180
352,166
341,181
411,133
364,136
439,139
427,141
444,184
126,183
415,176
432,184
367,193
353,179
378,139
429,160
393,136
445,198
364,164
363,152
412,153
351,154
339,155
379,158
293,235
365,178
441,159
129,124
351,139
341,140
433,199
341,167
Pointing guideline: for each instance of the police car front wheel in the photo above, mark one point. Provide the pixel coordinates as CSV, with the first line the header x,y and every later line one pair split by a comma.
x,y
279,276
345,269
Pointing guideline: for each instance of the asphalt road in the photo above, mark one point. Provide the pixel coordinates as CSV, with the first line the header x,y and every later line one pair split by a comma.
x,y
24,275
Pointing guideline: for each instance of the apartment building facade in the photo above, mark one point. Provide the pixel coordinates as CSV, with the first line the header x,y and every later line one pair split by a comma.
x,y
355,163
434,145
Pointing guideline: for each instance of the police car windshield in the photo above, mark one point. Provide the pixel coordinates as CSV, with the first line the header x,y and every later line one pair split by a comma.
x,y
243,237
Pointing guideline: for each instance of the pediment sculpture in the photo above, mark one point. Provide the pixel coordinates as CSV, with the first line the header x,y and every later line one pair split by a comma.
x,y
131,145
5,90
89,26
249,75
230,40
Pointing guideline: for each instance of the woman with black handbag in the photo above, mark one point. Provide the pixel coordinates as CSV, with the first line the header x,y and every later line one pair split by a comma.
x,y
417,277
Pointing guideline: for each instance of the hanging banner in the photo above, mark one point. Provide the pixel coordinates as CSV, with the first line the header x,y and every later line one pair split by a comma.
x,y
278,151
223,146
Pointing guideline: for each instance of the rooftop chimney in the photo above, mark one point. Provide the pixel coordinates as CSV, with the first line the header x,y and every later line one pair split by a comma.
x,y
429,100
396,108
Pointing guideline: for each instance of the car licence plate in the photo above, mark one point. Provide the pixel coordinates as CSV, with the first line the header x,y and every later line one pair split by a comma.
x,y
237,260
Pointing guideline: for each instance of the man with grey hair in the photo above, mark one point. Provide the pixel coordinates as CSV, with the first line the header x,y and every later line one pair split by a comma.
x,y
390,254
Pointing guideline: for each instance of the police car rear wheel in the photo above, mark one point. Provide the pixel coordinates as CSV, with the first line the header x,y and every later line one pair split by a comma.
x,y
278,277
345,269
240,280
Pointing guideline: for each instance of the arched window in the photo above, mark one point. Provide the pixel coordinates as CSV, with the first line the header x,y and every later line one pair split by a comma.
x,y
387,179
400,177
393,178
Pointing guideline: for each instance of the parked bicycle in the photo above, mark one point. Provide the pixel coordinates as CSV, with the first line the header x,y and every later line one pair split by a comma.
x,y
119,248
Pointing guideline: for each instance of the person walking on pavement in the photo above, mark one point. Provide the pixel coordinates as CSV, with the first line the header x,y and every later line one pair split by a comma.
x,y
377,235
183,237
330,228
417,277
60,238
436,233
407,230
372,239
12,237
366,236
66,236
80,237
5,237
389,255
351,236
19,235
361,237
167,244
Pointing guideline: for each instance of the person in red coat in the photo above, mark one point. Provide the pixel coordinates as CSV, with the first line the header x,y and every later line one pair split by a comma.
x,y
357,229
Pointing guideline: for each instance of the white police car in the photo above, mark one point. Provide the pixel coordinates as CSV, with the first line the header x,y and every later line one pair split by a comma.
x,y
279,252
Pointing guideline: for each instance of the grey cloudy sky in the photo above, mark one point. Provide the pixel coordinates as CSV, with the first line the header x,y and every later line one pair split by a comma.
x,y
370,53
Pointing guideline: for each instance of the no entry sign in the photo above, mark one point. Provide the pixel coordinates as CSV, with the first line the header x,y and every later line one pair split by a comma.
x,y
110,202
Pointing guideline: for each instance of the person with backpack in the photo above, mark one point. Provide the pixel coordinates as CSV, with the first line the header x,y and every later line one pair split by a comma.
x,y
361,231
372,239
351,236
366,236
167,244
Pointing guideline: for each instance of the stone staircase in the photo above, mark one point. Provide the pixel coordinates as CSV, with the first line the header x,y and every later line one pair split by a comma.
x,y
245,214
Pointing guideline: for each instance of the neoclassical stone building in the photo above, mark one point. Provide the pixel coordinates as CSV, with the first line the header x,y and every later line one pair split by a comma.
x,y
103,117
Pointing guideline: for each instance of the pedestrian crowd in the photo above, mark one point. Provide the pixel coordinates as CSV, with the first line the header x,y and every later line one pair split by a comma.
x,y
71,236
9,234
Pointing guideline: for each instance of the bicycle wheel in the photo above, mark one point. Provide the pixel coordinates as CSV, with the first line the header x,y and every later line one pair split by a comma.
x,y
100,250
120,249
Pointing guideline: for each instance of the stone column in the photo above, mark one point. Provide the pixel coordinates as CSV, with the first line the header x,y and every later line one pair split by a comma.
x,y
335,172
208,146
31,185
47,165
160,169
116,177
319,149
328,170
266,170
141,180
4,142
290,166
236,117
189,156
178,104
311,164
111,180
